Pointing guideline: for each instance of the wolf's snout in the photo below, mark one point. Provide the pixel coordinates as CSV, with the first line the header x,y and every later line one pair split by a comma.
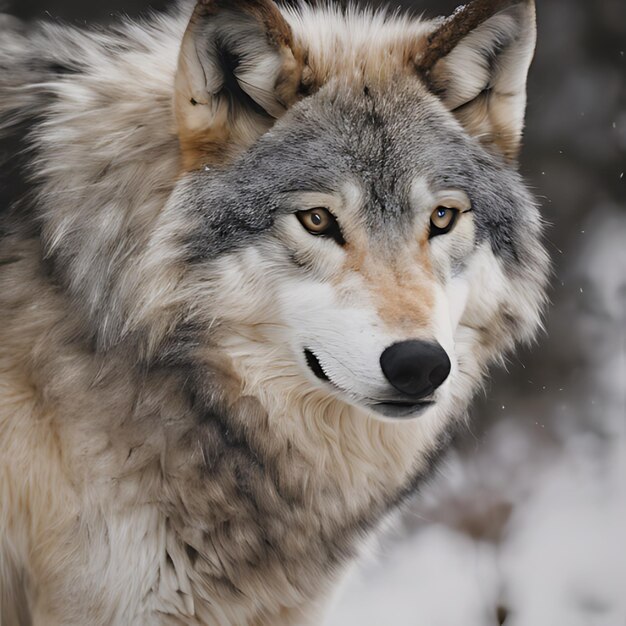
x,y
416,368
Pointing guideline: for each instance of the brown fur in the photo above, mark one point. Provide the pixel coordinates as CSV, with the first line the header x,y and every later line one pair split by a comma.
x,y
448,35
219,138
492,113
165,459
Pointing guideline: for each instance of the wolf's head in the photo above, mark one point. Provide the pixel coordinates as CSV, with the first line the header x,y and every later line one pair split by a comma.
x,y
347,227
361,231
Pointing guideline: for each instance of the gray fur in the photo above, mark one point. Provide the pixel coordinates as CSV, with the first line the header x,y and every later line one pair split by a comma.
x,y
113,319
380,139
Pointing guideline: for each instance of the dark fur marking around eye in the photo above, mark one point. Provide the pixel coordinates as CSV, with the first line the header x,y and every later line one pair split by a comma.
x,y
436,231
333,231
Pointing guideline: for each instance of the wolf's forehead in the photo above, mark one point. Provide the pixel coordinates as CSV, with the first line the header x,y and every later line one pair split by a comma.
x,y
384,139
356,43
384,148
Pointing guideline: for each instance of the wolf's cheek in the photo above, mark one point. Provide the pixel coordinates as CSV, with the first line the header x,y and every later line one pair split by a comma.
x,y
457,294
489,288
346,340
485,330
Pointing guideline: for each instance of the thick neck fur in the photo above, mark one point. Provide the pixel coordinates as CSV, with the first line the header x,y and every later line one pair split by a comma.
x,y
219,492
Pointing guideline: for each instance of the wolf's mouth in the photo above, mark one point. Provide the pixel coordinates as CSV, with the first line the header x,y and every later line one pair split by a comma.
x,y
316,367
400,409
397,409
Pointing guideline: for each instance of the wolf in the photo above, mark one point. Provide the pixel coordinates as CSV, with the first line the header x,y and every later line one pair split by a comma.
x,y
264,261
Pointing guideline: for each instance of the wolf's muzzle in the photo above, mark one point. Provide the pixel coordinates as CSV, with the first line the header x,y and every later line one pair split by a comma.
x,y
316,367
415,368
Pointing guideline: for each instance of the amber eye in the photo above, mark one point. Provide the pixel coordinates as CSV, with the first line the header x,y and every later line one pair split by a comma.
x,y
321,221
316,221
442,220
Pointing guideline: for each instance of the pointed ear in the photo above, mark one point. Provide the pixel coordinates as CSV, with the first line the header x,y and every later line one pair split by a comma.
x,y
477,61
238,70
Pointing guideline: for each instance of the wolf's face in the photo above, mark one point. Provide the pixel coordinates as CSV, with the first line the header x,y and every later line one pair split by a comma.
x,y
376,244
359,250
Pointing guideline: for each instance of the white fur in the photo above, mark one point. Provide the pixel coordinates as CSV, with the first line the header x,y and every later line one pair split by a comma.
x,y
75,518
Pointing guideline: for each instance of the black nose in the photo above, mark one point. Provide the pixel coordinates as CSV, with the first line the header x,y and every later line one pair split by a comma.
x,y
415,368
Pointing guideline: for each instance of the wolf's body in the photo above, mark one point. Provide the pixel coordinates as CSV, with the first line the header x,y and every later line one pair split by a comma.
x,y
166,455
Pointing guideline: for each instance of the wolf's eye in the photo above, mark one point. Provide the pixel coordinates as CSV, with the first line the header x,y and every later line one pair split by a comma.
x,y
321,221
442,220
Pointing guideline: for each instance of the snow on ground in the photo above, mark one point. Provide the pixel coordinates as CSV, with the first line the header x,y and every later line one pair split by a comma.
x,y
558,557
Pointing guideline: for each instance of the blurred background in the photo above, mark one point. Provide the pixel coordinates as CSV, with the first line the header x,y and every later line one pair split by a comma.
x,y
525,523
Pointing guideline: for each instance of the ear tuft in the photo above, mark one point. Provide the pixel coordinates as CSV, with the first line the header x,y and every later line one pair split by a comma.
x,y
477,62
238,70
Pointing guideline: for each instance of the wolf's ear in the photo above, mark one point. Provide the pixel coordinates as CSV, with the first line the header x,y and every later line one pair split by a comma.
x,y
238,70
477,61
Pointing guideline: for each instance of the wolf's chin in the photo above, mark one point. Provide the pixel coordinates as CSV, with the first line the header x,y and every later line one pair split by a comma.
x,y
399,410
